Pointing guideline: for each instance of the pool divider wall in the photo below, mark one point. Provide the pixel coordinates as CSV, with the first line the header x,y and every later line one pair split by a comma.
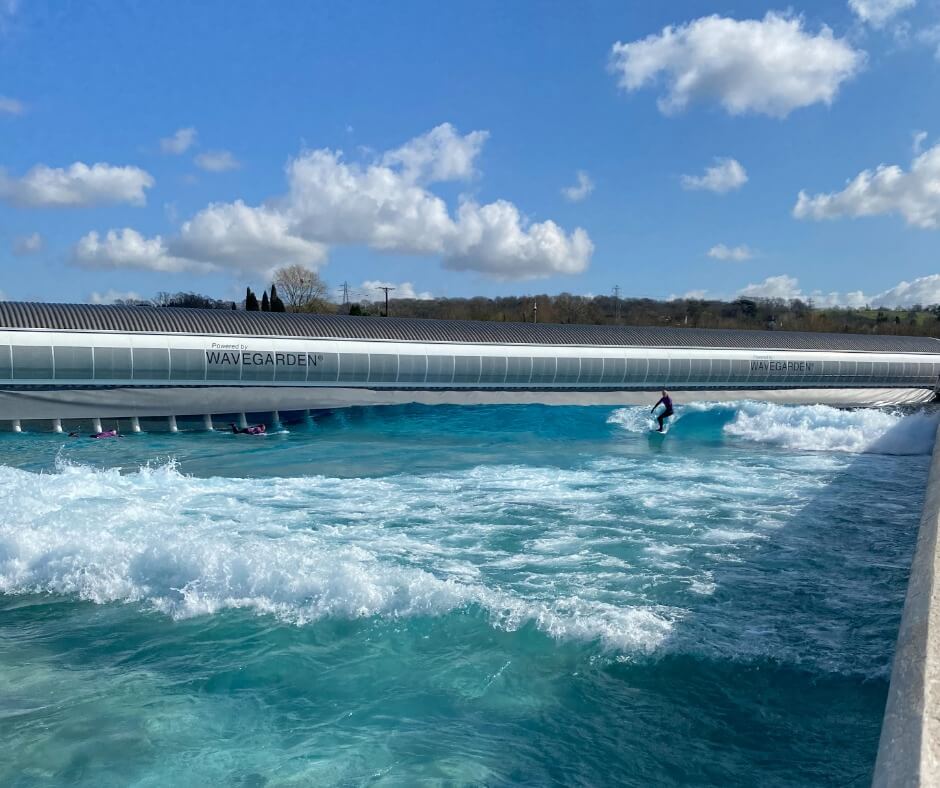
x,y
909,749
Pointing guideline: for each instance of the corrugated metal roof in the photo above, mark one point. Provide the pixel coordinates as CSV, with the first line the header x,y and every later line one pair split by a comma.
x,y
216,322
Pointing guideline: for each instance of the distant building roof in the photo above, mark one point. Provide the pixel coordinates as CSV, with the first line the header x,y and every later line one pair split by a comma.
x,y
222,322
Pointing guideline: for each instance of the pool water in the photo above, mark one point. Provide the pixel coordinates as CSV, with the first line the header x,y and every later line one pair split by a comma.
x,y
485,595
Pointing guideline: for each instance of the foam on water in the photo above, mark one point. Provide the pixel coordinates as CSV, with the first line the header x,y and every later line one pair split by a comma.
x,y
189,547
801,427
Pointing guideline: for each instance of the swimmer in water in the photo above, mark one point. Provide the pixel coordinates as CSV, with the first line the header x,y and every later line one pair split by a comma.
x,y
255,429
666,401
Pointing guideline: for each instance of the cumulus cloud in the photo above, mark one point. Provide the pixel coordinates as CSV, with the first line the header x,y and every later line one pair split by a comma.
x,y
725,176
371,287
76,186
11,106
923,290
580,190
245,238
918,140
736,253
385,205
877,12
783,286
888,189
770,66
110,296
217,161
440,155
127,248
179,141
27,244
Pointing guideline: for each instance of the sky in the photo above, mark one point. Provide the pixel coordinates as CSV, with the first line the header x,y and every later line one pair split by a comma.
x,y
697,149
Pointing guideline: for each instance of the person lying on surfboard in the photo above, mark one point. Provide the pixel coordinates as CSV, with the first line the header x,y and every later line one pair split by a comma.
x,y
666,401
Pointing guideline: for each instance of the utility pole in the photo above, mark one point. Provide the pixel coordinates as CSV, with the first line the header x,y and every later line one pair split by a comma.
x,y
386,289
345,293
535,310
617,303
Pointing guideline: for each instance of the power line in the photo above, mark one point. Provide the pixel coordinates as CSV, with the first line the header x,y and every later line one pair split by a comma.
x,y
386,289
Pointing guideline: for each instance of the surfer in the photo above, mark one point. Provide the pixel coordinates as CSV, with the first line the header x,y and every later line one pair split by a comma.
x,y
666,401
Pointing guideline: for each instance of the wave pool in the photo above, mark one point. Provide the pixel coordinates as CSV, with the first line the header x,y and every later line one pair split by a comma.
x,y
460,596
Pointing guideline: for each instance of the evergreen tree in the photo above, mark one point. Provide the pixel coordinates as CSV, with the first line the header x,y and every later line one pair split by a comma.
x,y
251,301
265,304
276,304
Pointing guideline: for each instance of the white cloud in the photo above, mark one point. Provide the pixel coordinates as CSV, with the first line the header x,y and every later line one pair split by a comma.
x,y
736,253
725,176
245,238
689,295
785,287
110,296
180,141
771,66
11,106
127,248
877,12
385,205
27,244
217,161
887,189
76,186
918,139
923,290
440,155
496,239
581,189
371,287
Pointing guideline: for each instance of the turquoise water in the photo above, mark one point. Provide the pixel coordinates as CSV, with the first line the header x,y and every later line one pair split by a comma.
x,y
458,596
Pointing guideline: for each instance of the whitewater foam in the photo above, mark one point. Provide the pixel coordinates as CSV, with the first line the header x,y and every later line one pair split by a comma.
x,y
805,427
188,547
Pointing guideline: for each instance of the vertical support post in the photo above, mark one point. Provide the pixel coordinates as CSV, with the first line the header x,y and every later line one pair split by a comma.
x,y
135,424
171,421
207,422
242,420
96,424
57,425
17,427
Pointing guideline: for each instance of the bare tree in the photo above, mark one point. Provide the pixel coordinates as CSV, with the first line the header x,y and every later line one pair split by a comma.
x,y
301,289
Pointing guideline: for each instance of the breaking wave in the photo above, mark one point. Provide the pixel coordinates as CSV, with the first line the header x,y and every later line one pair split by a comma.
x,y
188,547
800,427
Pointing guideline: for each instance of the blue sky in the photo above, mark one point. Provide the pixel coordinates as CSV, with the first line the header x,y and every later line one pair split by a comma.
x,y
437,147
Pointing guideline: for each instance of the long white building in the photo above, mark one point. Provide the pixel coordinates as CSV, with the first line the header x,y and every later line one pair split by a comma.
x,y
64,361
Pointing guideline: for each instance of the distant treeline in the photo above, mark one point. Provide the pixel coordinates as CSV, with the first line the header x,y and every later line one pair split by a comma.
x,y
763,314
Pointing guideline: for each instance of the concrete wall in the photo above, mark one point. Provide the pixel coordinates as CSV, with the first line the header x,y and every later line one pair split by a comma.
x,y
909,750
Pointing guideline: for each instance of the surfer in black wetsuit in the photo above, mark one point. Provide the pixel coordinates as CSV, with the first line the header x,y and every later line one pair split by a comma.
x,y
666,401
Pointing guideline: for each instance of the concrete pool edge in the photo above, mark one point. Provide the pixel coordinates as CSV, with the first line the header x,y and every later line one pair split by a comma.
x,y
909,747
